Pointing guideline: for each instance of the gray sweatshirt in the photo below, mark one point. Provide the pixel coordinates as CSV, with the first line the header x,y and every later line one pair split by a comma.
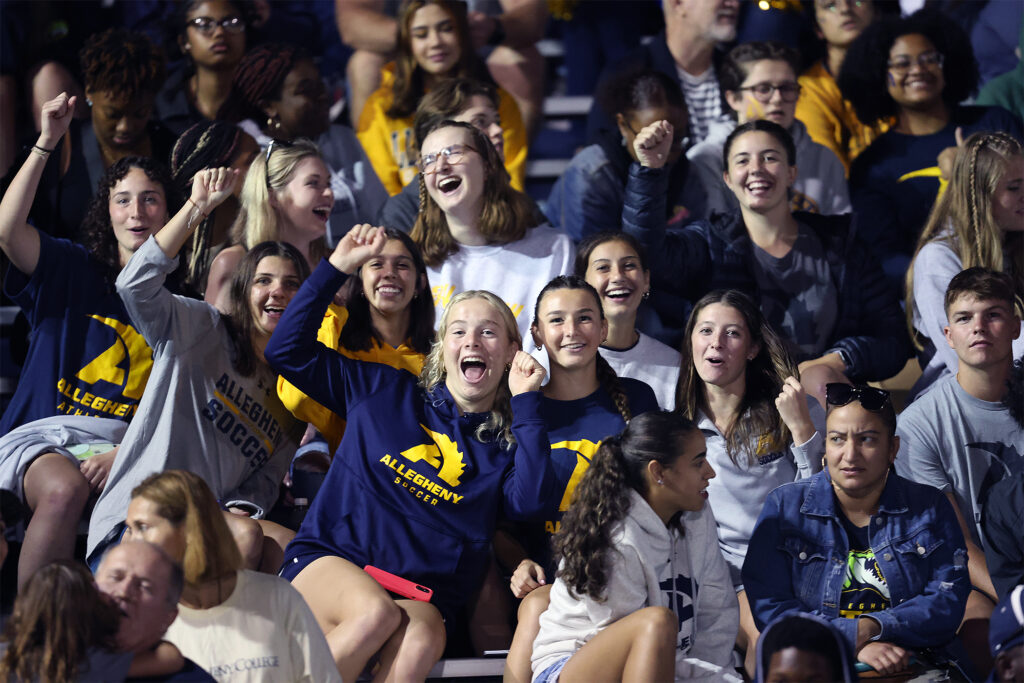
x,y
197,412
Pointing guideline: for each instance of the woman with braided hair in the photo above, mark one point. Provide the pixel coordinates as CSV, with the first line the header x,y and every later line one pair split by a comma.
x,y
642,591
122,72
210,144
475,231
977,221
583,403
278,95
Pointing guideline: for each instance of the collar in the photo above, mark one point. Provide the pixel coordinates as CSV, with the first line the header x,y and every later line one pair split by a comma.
x,y
820,502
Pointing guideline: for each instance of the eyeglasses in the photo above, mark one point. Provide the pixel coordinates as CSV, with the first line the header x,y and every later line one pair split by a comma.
x,y
838,394
678,141
833,5
925,60
207,25
452,153
763,92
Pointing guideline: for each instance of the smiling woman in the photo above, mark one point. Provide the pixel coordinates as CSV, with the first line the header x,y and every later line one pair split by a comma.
x,y
420,473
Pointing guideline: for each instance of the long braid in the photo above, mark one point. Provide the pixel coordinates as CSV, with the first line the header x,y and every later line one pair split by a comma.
x,y
974,224
611,384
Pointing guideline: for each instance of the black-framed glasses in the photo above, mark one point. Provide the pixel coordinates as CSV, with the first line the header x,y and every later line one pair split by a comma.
x,y
926,60
266,160
678,141
763,92
838,394
452,153
207,25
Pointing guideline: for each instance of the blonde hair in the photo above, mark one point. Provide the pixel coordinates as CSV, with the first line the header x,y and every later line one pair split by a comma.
x,y
962,216
184,499
499,423
258,220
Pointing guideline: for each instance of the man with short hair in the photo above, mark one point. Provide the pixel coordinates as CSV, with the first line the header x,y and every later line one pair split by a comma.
x,y
146,584
958,436
685,52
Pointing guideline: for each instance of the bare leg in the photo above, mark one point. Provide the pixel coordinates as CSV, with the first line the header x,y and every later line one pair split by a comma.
x,y
517,663
973,631
416,644
363,76
489,616
521,74
748,634
57,492
357,616
248,537
640,647
275,539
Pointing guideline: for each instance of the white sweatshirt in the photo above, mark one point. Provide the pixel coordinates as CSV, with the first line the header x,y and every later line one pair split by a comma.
x,y
653,566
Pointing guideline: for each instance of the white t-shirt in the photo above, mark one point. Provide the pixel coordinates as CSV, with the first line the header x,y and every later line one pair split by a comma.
x,y
515,272
651,362
264,632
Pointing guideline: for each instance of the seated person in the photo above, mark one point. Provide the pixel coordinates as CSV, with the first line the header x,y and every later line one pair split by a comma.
x,y
433,43
975,222
881,557
607,183
830,119
279,95
958,437
453,99
806,648
759,80
917,69
818,286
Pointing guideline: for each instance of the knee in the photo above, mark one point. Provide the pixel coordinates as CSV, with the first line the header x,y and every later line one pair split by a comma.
x,y
65,494
378,616
428,636
659,623
248,537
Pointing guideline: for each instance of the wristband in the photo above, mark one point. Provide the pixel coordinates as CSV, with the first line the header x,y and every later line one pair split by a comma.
x,y
43,149
204,215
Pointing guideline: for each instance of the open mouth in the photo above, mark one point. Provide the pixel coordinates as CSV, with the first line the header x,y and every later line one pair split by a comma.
x,y
449,184
715,362
473,368
618,294
322,212
389,291
759,187
273,312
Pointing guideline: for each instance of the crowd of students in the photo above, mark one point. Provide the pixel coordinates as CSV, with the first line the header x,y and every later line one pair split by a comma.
x,y
624,431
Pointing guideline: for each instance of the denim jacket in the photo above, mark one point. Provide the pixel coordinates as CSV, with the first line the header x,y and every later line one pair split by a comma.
x,y
797,560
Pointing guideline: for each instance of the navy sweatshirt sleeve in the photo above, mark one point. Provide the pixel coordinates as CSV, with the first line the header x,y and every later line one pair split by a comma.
x,y
530,483
322,373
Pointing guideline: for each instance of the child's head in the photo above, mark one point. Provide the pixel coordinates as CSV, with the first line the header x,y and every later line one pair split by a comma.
x,y
58,616
802,648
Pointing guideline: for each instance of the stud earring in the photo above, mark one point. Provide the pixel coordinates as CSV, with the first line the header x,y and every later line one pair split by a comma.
x,y
647,295
88,101
661,482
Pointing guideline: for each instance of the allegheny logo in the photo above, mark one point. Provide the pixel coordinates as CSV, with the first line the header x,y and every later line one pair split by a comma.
x,y
443,455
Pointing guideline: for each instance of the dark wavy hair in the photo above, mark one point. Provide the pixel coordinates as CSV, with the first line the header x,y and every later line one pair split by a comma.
x,y
592,242
602,498
409,85
638,88
763,126
241,325
58,617
98,232
122,62
758,428
358,333
606,376
862,76
505,217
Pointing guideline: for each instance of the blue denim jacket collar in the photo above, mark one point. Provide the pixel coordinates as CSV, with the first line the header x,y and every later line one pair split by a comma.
x,y
820,502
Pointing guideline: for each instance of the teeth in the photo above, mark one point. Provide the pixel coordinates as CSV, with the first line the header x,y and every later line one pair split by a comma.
x,y
449,184
619,292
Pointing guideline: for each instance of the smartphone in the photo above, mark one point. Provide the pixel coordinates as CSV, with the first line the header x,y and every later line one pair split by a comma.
x,y
398,585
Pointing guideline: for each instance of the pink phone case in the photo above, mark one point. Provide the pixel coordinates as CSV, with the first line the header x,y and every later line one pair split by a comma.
x,y
398,585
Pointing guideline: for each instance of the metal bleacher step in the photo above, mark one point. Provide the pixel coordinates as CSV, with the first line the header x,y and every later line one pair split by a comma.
x,y
470,667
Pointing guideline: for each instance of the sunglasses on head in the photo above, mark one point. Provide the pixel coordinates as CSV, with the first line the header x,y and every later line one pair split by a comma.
x,y
280,144
838,394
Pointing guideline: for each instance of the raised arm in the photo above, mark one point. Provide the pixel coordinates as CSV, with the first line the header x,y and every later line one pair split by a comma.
x,y
18,239
531,482
210,187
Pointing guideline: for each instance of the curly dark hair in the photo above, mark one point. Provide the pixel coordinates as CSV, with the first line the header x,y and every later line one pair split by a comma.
x,y
638,88
862,76
259,79
358,332
602,498
122,62
97,231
